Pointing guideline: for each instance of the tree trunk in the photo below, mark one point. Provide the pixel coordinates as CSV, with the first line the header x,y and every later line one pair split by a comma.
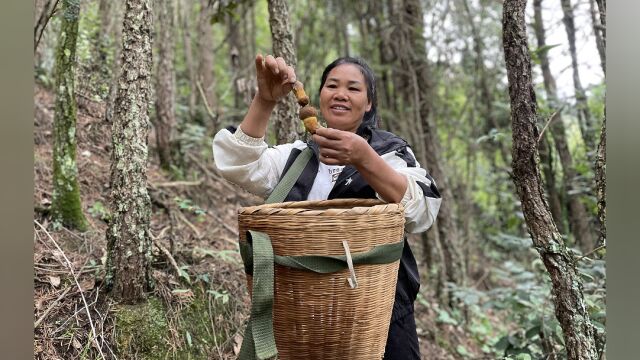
x,y
184,14
238,57
416,62
434,263
66,206
584,117
286,122
601,155
206,77
570,307
598,32
128,239
42,13
578,214
555,202
484,102
117,63
601,183
165,83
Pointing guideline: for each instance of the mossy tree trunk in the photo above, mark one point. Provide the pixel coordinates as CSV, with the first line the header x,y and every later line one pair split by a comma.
x,y
578,214
66,205
286,122
568,298
128,239
165,123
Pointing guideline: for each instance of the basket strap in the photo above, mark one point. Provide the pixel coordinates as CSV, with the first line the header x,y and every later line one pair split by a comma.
x,y
259,340
290,177
323,264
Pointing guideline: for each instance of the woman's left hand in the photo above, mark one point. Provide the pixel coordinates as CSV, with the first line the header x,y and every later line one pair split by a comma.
x,y
339,147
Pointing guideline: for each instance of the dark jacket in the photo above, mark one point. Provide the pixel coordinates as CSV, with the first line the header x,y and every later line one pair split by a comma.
x,y
382,142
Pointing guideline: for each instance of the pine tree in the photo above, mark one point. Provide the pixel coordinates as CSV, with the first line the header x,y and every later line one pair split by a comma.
x,y
128,239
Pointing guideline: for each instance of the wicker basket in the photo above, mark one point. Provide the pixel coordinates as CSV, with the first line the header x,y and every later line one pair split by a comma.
x,y
319,316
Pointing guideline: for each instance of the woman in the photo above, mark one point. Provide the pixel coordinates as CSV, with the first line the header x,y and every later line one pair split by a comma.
x,y
351,159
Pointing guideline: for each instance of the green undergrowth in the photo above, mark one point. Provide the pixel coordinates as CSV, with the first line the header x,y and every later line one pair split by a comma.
x,y
185,329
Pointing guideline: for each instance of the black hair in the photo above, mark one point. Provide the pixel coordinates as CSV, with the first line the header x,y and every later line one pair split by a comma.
x,y
370,117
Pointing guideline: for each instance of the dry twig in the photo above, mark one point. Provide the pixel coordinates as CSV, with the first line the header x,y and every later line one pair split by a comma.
x,y
549,120
75,278
53,304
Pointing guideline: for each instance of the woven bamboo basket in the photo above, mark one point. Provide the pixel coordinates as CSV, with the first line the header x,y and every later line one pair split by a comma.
x,y
319,316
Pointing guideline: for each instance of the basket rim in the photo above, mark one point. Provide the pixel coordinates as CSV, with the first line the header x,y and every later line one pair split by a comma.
x,y
329,207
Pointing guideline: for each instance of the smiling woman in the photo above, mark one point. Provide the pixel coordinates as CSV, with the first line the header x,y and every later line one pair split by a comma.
x,y
343,97
351,158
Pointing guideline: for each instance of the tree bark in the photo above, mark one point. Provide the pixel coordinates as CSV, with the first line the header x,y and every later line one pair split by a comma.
x,y
584,117
128,238
117,63
601,183
184,14
578,214
598,32
206,77
286,122
165,83
66,206
570,307
238,57
43,12
417,64
555,202
601,155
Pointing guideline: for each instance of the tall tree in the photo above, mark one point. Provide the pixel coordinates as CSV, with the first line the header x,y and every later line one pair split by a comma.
x,y
601,183
286,122
597,20
570,307
238,55
578,214
584,117
165,123
44,10
601,155
184,16
420,89
549,171
66,205
206,79
484,97
128,239
117,12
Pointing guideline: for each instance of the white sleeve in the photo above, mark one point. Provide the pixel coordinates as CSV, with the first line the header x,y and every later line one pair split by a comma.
x,y
420,210
249,162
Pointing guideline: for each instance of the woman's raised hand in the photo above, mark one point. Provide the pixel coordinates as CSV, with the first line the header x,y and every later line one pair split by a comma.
x,y
275,77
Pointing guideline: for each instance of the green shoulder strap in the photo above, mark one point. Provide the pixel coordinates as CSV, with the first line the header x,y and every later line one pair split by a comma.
x,y
290,177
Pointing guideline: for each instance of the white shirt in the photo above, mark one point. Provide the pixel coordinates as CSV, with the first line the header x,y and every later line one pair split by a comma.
x,y
251,164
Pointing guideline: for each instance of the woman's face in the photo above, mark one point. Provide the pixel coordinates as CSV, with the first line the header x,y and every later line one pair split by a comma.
x,y
343,98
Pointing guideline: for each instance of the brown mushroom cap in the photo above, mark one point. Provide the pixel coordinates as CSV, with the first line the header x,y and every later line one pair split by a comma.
x,y
307,111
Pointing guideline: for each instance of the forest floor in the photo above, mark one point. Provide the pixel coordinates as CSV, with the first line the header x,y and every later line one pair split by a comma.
x,y
197,269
